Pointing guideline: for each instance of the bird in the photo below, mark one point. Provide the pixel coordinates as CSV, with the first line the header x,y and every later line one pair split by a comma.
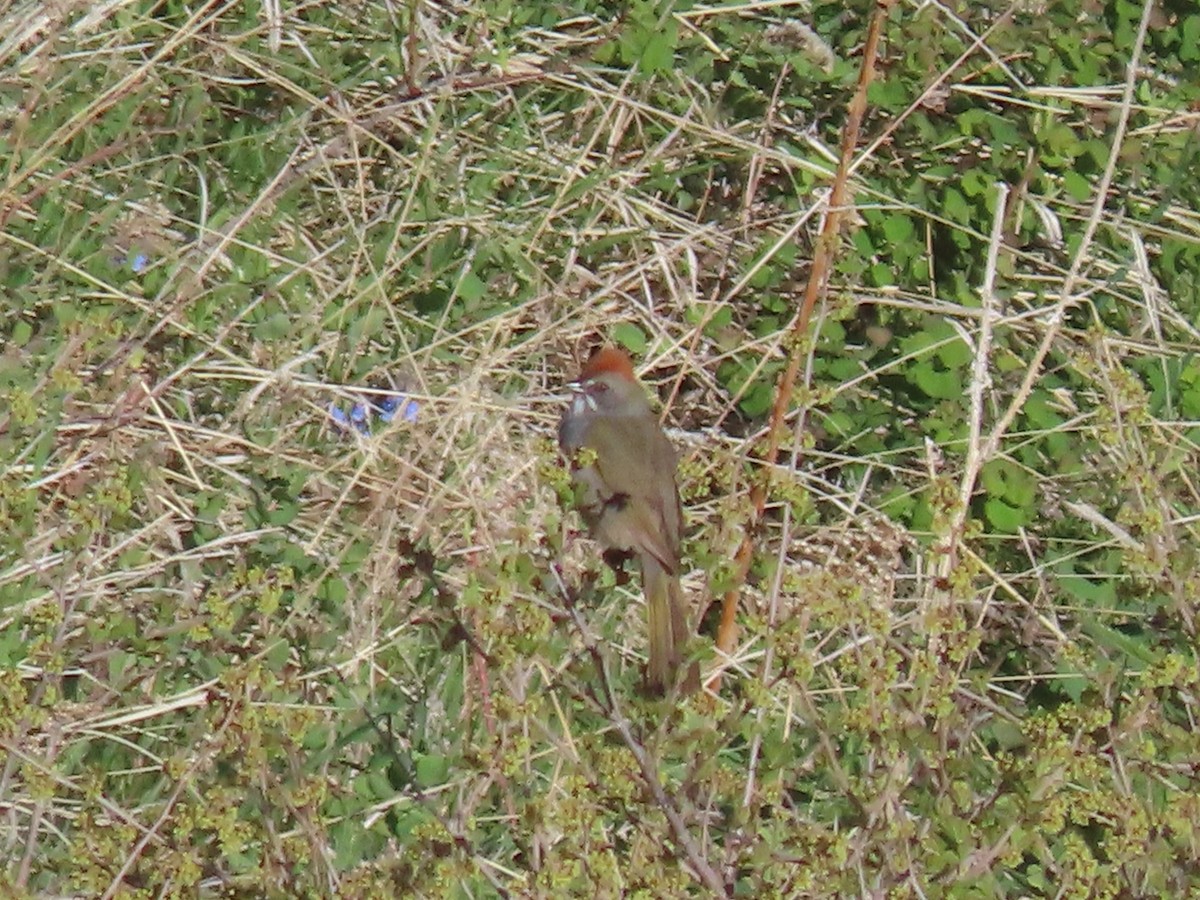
x,y
623,472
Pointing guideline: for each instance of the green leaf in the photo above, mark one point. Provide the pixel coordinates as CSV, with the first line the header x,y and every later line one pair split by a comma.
x,y
898,228
658,54
1003,517
974,183
889,94
21,333
954,354
758,399
1189,45
1070,682
1094,591
432,770
1112,639
1076,185
1004,133
881,275
283,513
274,328
936,384
407,816
630,336
334,590
471,288
862,243
955,206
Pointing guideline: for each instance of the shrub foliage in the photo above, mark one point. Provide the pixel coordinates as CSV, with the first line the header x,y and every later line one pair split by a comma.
x,y
247,649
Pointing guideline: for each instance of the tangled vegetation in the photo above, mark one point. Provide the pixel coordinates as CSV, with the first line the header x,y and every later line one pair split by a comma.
x,y
259,638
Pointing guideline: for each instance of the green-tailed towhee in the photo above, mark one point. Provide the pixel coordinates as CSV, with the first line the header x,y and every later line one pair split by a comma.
x,y
623,469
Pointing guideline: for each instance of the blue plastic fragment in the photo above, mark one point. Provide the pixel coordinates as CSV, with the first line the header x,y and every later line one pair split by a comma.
x,y
137,262
390,405
338,415
385,408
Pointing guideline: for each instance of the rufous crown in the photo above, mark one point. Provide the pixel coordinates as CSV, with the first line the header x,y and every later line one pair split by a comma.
x,y
608,359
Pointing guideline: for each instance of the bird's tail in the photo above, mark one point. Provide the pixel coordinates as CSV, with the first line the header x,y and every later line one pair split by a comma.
x,y
667,629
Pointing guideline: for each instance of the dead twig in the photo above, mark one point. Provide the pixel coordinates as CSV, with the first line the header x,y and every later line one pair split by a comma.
x,y
827,244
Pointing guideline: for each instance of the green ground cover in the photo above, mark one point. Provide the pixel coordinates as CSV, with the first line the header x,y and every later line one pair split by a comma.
x,y
245,652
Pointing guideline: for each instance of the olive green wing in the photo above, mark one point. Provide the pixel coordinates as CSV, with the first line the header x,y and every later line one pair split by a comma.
x,y
637,463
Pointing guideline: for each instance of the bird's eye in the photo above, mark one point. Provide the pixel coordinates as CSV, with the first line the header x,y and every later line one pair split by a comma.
x,y
599,387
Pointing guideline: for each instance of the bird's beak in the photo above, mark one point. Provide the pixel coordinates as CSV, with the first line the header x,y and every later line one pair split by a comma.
x,y
580,398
